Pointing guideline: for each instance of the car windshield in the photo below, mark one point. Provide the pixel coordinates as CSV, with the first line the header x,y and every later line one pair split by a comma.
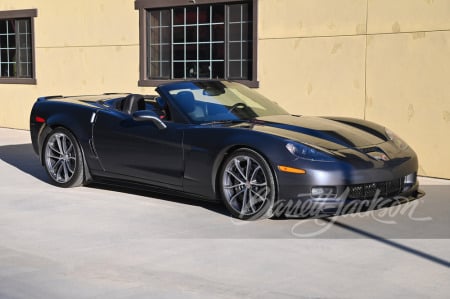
x,y
216,101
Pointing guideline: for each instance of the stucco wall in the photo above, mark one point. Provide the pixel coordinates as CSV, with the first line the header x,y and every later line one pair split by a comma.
x,y
383,60
82,47
408,76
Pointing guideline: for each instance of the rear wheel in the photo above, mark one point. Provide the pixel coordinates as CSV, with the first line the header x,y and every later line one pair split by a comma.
x,y
247,185
63,159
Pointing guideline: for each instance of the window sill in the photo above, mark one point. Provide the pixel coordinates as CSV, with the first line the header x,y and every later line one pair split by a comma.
x,y
29,81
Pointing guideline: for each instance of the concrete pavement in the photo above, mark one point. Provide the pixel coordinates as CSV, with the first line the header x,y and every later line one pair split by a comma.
x,y
101,242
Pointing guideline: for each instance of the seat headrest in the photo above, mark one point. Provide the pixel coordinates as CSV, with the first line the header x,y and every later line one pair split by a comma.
x,y
133,103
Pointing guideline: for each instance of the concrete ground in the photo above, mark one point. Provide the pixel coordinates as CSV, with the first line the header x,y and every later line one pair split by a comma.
x,y
99,242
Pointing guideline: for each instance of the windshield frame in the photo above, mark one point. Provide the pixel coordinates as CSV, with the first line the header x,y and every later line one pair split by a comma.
x,y
213,101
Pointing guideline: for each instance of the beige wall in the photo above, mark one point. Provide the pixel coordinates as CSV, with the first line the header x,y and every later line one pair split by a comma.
x,y
82,47
383,60
408,76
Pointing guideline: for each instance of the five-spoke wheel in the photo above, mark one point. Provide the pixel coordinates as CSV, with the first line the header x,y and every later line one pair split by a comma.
x,y
63,158
247,185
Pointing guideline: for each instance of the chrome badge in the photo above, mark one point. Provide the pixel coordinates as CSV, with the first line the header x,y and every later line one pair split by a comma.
x,y
379,156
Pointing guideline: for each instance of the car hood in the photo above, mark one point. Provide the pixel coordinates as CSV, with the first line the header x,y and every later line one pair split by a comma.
x,y
328,133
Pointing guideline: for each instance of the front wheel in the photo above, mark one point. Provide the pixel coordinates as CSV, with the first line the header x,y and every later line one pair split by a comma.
x,y
247,185
63,159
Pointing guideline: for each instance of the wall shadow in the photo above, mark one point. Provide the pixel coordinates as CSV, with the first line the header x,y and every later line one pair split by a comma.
x,y
23,157
391,243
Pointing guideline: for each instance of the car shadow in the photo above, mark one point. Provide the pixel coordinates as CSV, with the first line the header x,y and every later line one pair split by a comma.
x,y
162,194
23,157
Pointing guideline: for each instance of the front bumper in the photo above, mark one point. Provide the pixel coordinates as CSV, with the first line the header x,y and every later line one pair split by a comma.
x,y
345,201
352,184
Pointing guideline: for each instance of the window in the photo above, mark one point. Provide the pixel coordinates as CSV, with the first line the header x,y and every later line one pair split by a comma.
x,y
17,46
201,40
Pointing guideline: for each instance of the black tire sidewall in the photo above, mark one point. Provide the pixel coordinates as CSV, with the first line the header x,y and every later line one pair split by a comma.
x,y
78,175
266,210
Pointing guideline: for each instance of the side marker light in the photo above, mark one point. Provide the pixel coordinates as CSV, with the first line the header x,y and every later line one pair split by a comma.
x,y
39,119
291,170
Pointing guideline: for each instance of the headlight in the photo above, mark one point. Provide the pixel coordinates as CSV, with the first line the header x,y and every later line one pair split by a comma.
x,y
397,140
306,152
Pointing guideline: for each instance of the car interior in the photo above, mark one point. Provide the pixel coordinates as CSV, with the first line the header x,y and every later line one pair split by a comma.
x,y
198,111
136,102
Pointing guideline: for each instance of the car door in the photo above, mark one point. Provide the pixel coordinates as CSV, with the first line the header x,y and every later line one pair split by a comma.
x,y
139,150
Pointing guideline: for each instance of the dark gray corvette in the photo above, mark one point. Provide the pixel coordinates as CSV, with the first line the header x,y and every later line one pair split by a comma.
x,y
222,141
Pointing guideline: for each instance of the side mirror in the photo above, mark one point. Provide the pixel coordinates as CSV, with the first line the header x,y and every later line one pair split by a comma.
x,y
149,116
212,92
211,88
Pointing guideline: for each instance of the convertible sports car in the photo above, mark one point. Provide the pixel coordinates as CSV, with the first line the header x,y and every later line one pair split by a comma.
x,y
220,140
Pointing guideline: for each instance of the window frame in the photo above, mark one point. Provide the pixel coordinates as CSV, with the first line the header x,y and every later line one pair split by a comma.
x,y
144,5
22,14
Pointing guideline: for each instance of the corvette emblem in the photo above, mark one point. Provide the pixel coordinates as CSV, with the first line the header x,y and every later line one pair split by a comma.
x,y
379,156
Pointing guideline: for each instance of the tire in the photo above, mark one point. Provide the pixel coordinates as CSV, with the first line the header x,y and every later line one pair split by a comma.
x,y
247,185
63,159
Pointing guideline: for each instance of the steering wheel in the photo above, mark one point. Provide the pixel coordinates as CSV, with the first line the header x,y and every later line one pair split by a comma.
x,y
237,105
